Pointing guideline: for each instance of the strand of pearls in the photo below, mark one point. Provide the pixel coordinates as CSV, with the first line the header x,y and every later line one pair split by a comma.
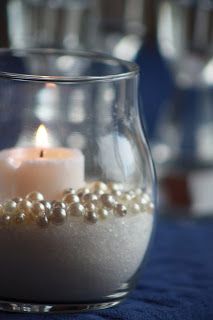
x,y
97,201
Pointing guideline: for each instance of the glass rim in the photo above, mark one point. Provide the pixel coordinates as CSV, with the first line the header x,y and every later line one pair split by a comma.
x,y
132,68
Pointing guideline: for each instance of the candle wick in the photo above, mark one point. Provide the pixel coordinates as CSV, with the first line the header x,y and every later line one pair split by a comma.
x,y
41,154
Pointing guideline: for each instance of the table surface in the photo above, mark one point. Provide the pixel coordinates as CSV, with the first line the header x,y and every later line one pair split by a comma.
x,y
176,283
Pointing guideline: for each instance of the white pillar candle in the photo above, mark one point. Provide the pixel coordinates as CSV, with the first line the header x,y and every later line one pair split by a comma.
x,y
47,170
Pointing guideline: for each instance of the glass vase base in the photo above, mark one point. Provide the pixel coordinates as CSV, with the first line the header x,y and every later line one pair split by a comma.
x,y
22,307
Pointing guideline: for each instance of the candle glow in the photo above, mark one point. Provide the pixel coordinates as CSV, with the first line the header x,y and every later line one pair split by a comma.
x,y
41,137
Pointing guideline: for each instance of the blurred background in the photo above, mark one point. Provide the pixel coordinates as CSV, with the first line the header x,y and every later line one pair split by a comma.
x,y
172,41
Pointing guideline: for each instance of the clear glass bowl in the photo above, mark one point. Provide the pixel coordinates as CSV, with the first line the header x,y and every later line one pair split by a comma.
x,y
76,181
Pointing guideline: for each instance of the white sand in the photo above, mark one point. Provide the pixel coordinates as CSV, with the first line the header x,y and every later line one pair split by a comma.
x,y
73,262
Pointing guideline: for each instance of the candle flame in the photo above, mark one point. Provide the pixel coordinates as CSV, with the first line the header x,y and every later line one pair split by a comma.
x,y
41,138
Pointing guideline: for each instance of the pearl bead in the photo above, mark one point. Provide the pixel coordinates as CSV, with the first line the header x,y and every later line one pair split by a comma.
x,y
144,203
76,209
20,218
98,193
90,198
103,213
126,197
10,207
93,204
132,194
69,191
135,208
138,191
38,208
25,206
115,186
35,196
58,215
47,205
144,199
107,200
120,210
90,206
71,198
91,217
98,185
42,221
117,193
5,219
147,195
59,204
17,199
81,192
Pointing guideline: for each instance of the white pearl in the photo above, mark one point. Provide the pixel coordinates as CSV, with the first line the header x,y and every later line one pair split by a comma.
x,y
107,200
91,217
59,204
89,206
48,206
71,198
25,206
126,197
5,219
144,199
69,191
58,215
76,209
120,210
98,193
98,185
17,199
38,208
143,203
81,192
113,186
20,218
103,213
117,193
138,192
35,196
132,194
10,207
90,198
135,208
42,221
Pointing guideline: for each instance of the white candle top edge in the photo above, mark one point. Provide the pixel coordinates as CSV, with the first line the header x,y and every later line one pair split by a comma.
x,y
16,156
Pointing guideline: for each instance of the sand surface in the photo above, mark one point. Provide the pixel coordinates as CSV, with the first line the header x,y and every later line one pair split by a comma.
x,y
73,262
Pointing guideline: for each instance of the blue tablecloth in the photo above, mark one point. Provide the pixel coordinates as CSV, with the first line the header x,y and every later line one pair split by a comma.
x,y
177,282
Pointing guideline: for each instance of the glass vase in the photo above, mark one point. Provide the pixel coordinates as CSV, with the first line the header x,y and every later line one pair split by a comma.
x,y
76,181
